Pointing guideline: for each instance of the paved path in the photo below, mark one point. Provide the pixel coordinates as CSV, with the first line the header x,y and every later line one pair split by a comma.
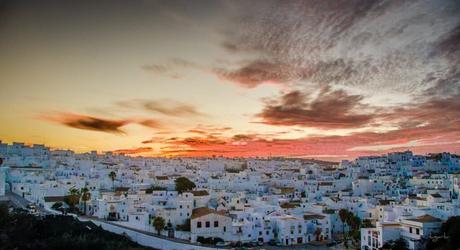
x,y
20,202
267,247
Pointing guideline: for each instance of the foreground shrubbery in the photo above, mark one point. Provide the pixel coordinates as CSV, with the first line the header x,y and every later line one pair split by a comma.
x,y
24,231
449,236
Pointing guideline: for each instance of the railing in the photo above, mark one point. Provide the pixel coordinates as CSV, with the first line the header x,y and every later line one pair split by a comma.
x,y
411,235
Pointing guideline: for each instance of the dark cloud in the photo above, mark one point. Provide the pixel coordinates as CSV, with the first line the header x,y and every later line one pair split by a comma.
x,y
150,123
87,122
330,109
148,141
198,140
92,123
389,45
258,72
165,106
171,68
133,151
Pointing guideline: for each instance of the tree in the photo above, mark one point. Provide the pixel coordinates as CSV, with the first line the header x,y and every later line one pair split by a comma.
x,y
343,214
184,227
112,176
158,224
318,233
57,205
303,194
448,237
183,184
24,231
366,223
4,214
85,196
355,222
73,198
154,188
399,244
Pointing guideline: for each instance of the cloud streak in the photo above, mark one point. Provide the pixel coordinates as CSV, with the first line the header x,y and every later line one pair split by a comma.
x,y
360,44
166,107
133,151
330,109
93,123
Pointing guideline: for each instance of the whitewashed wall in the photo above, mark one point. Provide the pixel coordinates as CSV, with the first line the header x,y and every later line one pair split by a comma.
x,y
149,240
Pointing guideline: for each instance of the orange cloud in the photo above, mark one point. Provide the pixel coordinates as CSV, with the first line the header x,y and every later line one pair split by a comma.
x,y
329,110
133,151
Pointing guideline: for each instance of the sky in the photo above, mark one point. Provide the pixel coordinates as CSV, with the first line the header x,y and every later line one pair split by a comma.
x,y
311,79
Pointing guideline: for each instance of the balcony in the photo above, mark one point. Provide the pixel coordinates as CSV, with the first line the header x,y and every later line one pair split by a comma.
x,y
411,236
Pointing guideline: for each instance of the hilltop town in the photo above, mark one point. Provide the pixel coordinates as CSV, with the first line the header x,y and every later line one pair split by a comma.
x,y
366,203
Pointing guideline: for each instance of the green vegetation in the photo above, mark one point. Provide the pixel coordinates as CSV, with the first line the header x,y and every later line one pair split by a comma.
x,y
184,227
24,231
354,224
154,188
328,211
366,224
57,206
448,237
183,184
85,197
73,199
113,176
399,244
158,224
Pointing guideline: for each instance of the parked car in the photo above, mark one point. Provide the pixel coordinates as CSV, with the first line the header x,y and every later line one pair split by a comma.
x,y
272,242
223,244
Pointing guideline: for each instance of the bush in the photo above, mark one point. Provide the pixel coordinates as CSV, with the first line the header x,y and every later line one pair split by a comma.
x,y
184,227
57,205
154,188
24,231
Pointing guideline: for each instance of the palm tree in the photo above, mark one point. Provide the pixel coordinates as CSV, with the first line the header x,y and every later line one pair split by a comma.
x,y
112,176
73,198
85,196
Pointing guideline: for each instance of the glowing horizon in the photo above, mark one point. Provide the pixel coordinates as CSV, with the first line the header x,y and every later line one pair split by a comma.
x,y
321,79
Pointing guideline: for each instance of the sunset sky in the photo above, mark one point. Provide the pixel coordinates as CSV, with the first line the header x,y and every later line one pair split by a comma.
x,y
314,79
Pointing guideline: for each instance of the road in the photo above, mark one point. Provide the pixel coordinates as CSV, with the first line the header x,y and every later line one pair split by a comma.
x,y
20,202
266,246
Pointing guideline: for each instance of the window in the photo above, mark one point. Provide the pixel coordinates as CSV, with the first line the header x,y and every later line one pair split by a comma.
x,y
410,229
208,224
225,229
198,224
417,231
216,224
180,206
